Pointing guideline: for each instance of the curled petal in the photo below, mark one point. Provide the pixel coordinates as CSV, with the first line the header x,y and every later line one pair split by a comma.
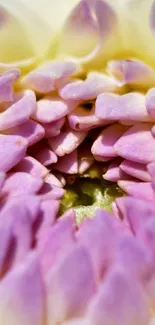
x,y
83,118
22,288
104,145
87,30
6,84
138,189
137,144
48,214
31,166
51,109
32,131
132,72
20,183
95,84
66,142
85,158
50,75
129,107
136,170
19,112
65,295
12,150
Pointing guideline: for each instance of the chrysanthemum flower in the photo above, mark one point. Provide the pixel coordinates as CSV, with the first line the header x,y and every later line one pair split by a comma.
x,y
77,162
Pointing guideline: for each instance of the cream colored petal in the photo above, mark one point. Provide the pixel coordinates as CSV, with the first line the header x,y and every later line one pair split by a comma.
x,y
22,34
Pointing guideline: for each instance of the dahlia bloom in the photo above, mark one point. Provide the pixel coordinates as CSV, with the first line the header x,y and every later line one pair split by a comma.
x,y
77,162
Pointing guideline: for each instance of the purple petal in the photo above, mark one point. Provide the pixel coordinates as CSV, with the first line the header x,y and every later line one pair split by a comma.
x,y
120,300
21,183
114,172
12,150
31,166
68,164
22,295
50,191
136,170
2,179
52,109
82,119
32,131
53,180
132,72
90,88
53,129
135,211
56,242
138,189
5,240
48,214
19,112
150,102
6,84
65,295
87,29
46,156
85,159
137,144
66,142
95,236
130,106
50,75
103,146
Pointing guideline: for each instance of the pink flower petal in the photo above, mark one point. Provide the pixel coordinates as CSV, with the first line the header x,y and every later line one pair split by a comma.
x,y
22,295
5,240
114,172
130,106
83,118
53,180
150,102
136,170
53,129
46,156
95,84
132,72
2,179
31,166
48,214
56,242
68,164
66,142
21,183
32,131
65,295
135,211
138,189
19,112
95,236
50,191
137,144
87,29
48,76
121,300
103,146
85,158
12,150
52,109
6,84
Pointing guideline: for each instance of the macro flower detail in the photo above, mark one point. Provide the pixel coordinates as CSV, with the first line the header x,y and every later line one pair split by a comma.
x,y
77,162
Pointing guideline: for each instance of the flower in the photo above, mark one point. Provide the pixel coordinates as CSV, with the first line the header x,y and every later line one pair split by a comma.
x,y
77,138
